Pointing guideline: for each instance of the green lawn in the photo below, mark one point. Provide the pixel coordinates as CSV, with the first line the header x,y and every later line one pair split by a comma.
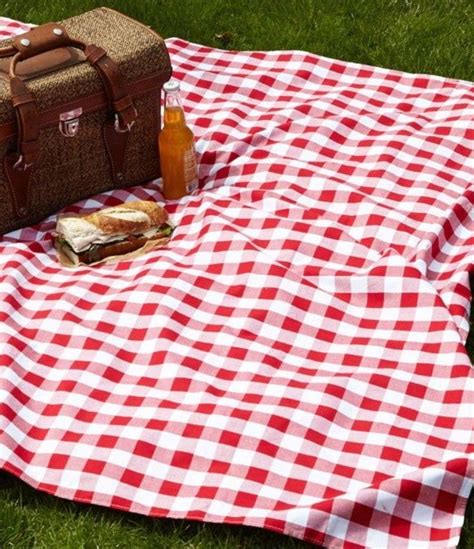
x,y
431,36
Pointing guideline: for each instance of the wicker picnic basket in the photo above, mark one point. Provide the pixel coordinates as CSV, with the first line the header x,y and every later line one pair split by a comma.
x,y
79,112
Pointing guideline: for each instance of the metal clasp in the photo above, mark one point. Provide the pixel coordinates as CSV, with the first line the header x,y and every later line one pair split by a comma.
x,y
129,126
20,164
69,122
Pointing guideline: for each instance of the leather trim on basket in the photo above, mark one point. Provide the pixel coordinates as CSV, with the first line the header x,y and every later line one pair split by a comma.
x,y
90,103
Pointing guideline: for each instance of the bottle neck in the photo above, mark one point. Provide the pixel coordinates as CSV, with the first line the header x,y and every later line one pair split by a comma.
x,y
173,114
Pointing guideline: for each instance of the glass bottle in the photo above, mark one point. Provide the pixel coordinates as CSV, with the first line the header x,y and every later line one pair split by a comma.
x,y
176,146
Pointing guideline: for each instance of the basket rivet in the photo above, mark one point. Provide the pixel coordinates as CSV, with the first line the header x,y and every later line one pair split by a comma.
x,y
25,42
119,175
57,31
22,211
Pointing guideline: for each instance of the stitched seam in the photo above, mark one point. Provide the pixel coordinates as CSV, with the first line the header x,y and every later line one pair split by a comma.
x,y
124,158
109,153
114,165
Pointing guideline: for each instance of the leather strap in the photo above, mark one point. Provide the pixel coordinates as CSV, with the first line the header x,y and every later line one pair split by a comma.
x,y
40,40
27,122
18,181
116,147
18,168
119,100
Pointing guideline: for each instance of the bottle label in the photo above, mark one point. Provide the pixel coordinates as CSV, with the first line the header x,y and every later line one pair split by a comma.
x,y
190,172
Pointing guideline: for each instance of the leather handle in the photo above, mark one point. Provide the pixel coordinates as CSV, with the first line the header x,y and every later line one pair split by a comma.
x,y
52,36
41,39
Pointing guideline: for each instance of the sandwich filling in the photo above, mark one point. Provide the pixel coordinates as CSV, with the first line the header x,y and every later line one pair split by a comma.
x,y
111,232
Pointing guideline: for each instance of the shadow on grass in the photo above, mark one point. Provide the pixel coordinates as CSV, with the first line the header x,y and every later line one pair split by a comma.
x,y
32,519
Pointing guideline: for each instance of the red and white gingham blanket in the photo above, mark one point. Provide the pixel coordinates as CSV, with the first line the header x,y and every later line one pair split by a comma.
x,y
295,358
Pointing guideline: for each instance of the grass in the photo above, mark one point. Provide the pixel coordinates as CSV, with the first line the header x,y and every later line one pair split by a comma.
x,y
30,519
430,36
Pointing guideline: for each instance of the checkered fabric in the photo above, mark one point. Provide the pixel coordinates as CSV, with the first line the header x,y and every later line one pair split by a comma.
x,y
294,359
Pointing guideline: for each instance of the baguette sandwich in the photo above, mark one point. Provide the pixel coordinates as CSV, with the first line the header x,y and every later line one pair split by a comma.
x,y
112,233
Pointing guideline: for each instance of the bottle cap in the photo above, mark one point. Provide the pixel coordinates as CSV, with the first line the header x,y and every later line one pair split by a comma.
x,y
171,86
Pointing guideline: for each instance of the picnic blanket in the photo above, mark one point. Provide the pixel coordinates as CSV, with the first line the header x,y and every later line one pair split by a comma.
x,y
295,358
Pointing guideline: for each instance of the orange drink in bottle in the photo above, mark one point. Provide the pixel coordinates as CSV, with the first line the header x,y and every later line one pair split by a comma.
x,y
176,146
